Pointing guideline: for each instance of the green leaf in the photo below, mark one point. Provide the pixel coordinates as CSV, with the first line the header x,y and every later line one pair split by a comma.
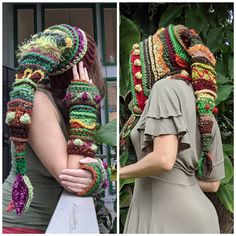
x,y
229,37
229,170
221,67
129,35
226,196
107,134
125,181
123,158
231,66
224,92
215,38
222,79
170,14
123,215
194,20
125,197
228,149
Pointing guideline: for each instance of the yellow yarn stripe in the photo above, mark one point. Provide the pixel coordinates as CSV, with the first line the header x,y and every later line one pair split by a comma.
x,y
83,124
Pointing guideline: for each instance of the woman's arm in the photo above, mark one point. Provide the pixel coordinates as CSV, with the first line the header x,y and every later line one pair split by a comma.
x,y
162,158
49,144
209,187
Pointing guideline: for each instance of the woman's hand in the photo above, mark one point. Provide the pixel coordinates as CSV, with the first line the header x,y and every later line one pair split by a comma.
x,y
76,180
83,73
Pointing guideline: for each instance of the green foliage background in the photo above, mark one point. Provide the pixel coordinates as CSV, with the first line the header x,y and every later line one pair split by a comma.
x,y
214,24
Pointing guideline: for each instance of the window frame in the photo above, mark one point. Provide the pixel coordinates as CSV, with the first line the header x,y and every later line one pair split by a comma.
x,y
15,23
102,7
108,79
109,154
72,5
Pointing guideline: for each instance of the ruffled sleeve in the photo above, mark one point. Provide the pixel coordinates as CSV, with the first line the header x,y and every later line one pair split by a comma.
x,y
163,115
218,169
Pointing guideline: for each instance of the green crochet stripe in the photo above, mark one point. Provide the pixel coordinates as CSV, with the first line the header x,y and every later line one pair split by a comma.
x,y
82,131
21,166
25,87
200,165
132,84
35,58
144,70
206,142
22,95
94,189
79,114
19,154
166,52
25,81
201,104
177,46
83,108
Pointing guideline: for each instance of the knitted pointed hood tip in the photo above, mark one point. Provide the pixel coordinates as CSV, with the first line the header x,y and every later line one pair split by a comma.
x,y
175,52
51,52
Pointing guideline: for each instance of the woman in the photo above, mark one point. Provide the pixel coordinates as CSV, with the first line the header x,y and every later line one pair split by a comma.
x,y
52,119
179,152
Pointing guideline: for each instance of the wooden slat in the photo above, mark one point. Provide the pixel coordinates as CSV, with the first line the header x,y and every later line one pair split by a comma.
x,y
74,215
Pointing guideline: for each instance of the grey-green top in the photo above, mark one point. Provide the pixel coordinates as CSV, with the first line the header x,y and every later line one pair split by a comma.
x,y
47,190
172,201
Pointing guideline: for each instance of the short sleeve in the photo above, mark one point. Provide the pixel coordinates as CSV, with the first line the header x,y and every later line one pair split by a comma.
x,y
218,170
162,115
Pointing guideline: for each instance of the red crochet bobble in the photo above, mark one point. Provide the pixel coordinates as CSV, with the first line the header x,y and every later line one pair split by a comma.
x,y
207,107
215,110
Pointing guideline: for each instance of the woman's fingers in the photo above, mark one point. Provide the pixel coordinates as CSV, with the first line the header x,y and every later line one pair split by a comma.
x,y
75,73
81,71
74,185
76,180
77,173
88,160
86,75
75,190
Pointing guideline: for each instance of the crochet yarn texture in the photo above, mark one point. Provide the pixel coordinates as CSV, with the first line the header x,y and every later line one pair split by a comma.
x,y
101,175
175,52
51,52
82,99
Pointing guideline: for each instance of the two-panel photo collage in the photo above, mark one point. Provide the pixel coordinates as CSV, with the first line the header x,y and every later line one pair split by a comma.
x,y
117,117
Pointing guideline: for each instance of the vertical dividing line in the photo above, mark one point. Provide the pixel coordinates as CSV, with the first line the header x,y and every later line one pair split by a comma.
x,y
118,111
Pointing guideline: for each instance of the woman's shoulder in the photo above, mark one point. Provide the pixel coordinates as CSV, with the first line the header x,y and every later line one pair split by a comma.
x,y
44,104
169,84
171,88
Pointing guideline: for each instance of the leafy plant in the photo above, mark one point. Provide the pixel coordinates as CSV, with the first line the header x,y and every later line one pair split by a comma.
x,y
106,135
214,24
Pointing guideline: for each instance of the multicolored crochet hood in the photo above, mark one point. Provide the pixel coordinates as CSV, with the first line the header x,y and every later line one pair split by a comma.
x,y
175,52
51,52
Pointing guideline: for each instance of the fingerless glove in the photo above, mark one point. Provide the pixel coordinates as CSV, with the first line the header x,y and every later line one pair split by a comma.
x,y
101,174
82,99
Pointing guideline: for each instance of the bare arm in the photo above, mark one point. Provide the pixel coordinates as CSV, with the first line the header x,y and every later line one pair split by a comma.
x,y
161,159
46,137
209,187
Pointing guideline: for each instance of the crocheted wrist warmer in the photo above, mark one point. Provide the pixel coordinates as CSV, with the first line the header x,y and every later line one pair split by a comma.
x,y
101,174
82,99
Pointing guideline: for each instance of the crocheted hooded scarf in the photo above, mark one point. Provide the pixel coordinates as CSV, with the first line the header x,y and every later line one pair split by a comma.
x,y
51,52
175,52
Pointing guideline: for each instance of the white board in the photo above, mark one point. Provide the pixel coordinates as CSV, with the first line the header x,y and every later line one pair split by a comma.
x,y
74,215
